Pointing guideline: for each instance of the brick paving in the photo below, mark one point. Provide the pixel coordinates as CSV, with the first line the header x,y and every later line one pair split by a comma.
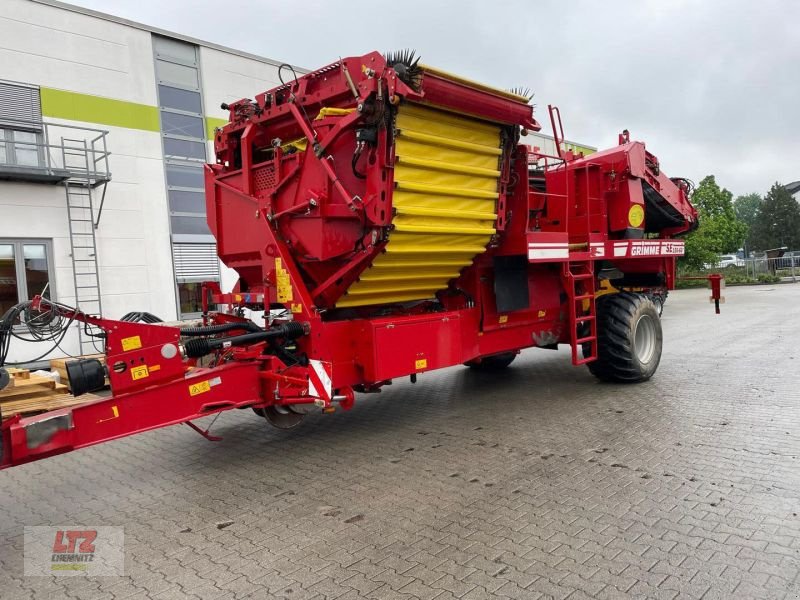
x,y
536,483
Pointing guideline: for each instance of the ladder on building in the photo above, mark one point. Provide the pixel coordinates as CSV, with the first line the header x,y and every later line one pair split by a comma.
x,y
82,239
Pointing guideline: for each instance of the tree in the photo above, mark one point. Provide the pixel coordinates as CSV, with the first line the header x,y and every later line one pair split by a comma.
x,y
747,208
719,231
778,221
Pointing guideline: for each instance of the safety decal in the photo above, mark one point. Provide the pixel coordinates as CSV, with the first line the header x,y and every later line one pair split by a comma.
x,y
199,388
140,372
319,379
283,281
131,343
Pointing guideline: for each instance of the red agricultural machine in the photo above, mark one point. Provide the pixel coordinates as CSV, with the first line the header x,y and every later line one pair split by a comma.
x,y
387,220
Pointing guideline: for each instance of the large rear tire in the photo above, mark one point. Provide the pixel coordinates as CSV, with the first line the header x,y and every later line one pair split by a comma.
x,y
629,338
496,362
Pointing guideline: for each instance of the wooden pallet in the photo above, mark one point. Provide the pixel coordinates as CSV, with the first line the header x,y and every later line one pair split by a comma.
x,y
30,406
29,394
59,365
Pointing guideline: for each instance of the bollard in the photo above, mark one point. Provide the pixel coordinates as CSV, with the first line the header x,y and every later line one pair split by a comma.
x,y
716,281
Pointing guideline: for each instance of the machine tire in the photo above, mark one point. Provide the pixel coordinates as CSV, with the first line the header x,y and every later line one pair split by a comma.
x,y
658,302
629,338
495,362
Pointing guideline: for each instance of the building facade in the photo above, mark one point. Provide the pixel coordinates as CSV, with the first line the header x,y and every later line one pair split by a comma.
x,y
105,125
104,128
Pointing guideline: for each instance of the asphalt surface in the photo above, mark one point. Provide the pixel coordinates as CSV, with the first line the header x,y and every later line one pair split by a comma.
x,y
539,482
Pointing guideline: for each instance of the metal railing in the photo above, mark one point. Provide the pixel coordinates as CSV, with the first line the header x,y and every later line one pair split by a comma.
x,y
60,151
785,267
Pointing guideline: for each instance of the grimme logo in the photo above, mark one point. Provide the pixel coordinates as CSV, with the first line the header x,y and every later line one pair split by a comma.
x,y
646,249
72,549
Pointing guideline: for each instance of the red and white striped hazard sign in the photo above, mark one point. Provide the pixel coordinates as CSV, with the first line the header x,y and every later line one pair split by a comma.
x,y
319,379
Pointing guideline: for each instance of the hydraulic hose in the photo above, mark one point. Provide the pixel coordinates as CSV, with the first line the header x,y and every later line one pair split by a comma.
x,y
212,329
195,348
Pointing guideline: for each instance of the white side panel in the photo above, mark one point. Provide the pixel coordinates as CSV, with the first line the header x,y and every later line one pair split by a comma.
x,y
67,50
229,77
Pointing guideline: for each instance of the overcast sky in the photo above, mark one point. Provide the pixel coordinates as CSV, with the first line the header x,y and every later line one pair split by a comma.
x,y
712,86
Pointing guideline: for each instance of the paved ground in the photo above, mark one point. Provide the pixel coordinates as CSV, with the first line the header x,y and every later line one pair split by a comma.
x,y
538,483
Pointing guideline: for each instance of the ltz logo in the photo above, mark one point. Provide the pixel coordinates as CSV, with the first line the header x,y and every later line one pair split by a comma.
x,y
73,549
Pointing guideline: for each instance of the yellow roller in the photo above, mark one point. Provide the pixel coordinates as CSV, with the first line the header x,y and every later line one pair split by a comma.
x,y
445,205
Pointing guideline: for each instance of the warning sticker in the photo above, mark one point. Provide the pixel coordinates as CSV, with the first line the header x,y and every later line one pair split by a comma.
x,y
131,343
199,388
283,282
139,372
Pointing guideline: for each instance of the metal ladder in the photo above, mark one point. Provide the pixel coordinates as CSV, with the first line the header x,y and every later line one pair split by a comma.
x,y
578,279
83,243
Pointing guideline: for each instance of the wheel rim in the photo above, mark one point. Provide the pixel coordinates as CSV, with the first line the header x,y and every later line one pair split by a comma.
x,y
644,338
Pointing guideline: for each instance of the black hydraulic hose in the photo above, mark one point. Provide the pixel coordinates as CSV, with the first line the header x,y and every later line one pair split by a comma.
x,y
195,348
212,329
145,317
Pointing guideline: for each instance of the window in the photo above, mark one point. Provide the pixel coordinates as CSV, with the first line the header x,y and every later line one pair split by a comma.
x,y
194,263
26,270
183,134
180,124
190,297
21,141
169,72
170,97
187,207
172,49
185,148
189,225
187,202
21,148
185,176
184,138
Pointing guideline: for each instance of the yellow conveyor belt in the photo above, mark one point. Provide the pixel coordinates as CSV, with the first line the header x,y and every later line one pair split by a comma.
x,y
446,180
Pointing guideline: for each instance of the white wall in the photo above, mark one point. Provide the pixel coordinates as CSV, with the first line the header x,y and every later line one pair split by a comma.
x,y
72,51
133,234
229,77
